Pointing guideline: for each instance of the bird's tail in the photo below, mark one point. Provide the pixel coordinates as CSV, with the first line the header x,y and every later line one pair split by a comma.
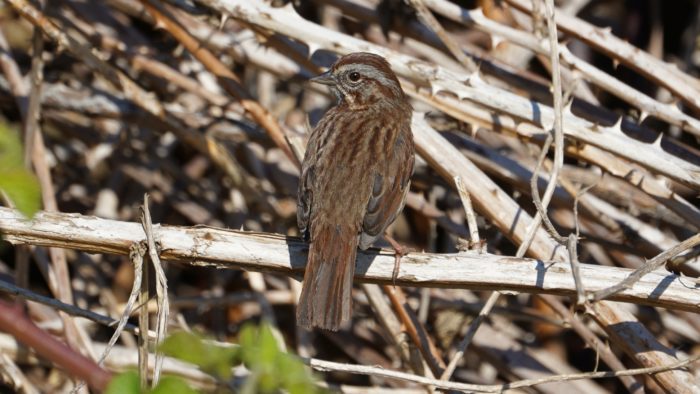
x,y
326,295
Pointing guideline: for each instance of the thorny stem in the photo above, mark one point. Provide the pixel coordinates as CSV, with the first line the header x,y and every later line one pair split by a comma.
x,y
650,266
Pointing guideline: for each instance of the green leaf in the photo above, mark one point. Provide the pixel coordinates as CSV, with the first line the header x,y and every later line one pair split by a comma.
x,y
268,350
124,383
192,348
23,189
173,385
20,185
271,370
258,346
10,148
129,383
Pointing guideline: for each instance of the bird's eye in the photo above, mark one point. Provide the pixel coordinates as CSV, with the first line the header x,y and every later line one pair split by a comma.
x,y
354,76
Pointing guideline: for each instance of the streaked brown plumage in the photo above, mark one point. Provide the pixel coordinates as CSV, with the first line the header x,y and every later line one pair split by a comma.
x,y
354,181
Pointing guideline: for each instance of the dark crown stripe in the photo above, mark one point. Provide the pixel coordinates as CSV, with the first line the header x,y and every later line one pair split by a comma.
x,y
364,58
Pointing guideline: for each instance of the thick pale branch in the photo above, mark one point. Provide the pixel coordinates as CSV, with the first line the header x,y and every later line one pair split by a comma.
x,y
645,103
488,198
665,74
623,329
221,248
465,87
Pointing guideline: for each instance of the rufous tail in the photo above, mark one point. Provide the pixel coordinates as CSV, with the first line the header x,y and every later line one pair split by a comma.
x,y
326,295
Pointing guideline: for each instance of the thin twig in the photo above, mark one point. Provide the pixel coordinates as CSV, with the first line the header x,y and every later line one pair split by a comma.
x,y
136,254
557,91
58,274
67,308
392,326
143,329
647,105
650,266
429,20
602,350
469,211
522,249
228,80
571,241
31,111
469,335
131,90
416,331
161,287
628,334
657,70
323,365
572,248
541,203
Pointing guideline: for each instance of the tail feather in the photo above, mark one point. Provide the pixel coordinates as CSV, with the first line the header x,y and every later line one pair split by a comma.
x,y
326,295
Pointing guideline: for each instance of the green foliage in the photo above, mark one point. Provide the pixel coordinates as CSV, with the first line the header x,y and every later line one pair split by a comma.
x,y
192,348
271,370
172,385
20,184
128,383
124,383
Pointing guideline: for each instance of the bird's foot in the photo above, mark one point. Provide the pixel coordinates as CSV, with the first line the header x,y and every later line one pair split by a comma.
x,y
399,252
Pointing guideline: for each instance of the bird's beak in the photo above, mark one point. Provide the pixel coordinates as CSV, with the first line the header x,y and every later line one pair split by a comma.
x,y
324,79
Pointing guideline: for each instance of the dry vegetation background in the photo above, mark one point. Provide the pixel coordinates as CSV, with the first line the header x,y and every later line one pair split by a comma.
x,y
204,105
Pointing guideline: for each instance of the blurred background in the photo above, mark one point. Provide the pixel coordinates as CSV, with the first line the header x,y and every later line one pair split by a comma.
x,y
101,150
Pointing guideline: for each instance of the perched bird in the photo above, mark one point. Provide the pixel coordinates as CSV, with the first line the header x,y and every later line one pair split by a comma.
x,y
354,180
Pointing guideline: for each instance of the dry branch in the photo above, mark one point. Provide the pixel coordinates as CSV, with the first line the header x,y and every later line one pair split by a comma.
x,y
228,80
132,102
665,74
204,246
131,90
623,330
14,322
469,87
646,104
623,169
488,198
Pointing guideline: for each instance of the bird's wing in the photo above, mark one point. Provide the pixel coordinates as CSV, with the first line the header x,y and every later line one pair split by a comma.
x,y
304,199
391,184
306,181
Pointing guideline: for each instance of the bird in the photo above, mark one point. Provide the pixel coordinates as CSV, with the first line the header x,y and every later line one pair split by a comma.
x,y
354,180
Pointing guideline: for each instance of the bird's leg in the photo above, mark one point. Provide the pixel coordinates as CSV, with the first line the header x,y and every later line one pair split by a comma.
x,y
399,252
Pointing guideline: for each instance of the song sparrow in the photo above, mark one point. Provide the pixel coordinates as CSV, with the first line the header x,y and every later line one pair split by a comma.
x,y
354,181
